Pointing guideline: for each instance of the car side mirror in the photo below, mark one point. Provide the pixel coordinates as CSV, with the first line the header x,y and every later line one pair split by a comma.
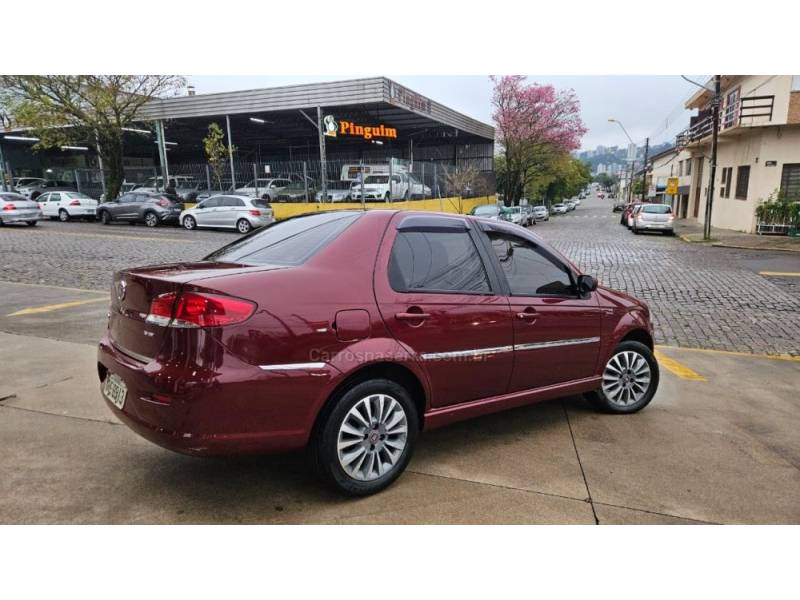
x,y
586,284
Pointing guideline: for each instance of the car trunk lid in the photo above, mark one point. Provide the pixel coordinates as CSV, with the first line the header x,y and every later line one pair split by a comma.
x,y
133,290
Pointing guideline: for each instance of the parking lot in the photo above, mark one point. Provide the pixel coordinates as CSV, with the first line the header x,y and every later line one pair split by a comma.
x,y
717,445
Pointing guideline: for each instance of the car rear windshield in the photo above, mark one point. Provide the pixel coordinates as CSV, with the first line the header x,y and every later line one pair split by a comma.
x,y
659,209
486,210
290,242
259,203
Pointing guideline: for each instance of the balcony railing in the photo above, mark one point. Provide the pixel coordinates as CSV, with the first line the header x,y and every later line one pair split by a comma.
x,y
750,111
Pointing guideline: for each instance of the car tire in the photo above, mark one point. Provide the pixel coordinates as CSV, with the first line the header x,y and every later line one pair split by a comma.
x,y
243,226
189,222
631,362
339,425
105,217
151,219
31,223
63,215
635,230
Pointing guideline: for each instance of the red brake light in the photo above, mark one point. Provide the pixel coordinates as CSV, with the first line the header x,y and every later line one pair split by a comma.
x,y
194,309
255,213
75,203
10,207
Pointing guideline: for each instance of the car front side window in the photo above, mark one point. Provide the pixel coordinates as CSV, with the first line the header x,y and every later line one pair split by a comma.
x,y
529,269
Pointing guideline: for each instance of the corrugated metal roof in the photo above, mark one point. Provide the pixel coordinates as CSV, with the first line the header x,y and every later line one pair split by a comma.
x,y
308,96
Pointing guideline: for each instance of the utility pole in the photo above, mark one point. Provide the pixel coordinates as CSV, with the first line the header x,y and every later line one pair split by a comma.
x,y
713,171
3,182
323,166
630,181
644,169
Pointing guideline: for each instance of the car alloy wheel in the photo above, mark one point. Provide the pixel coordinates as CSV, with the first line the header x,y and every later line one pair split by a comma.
x,y
243,226
189,222
151,219
105,218
372,437
626,378
63,216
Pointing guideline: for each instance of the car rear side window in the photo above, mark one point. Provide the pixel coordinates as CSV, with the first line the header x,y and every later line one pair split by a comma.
x,y
529,270
290,242
437,261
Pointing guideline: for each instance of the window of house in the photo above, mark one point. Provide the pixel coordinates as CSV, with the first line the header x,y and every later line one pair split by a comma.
x,y
528,269
680,168
742,182
689,166
790,181
731,108
725,188
437,261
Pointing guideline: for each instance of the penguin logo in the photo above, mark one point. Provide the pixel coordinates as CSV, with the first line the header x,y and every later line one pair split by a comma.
x,y
331,126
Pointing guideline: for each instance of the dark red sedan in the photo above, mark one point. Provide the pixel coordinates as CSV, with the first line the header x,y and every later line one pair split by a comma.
x,y
348,332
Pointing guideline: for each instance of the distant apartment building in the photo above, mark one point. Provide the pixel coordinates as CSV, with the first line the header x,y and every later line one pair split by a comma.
x,y
758,149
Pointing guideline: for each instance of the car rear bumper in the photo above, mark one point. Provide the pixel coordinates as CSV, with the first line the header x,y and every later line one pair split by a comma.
x,y
231,408
649,226
20,216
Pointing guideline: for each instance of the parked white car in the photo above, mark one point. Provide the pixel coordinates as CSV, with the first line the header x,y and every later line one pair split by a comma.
x,y
403,187
65,205
559,209
518,216
540,213
266,188
228,211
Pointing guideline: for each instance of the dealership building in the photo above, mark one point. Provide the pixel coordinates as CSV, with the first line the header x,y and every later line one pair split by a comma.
x,y
283,129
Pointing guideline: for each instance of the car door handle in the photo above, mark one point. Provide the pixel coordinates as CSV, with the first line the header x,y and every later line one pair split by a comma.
x,y
411,316
527,315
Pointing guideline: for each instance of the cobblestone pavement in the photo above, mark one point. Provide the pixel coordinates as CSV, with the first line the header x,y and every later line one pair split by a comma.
x,y
700,297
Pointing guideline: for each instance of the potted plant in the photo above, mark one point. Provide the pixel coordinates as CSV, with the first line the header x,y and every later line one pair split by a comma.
x,y
778,215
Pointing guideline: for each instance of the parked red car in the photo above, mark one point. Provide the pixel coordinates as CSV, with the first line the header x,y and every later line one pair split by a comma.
x,y
627,212
351,331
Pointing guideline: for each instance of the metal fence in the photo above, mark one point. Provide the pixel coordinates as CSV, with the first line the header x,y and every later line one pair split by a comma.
x,y
430,178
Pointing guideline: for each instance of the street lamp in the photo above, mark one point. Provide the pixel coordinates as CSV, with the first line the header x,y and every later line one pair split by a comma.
x,y
633,160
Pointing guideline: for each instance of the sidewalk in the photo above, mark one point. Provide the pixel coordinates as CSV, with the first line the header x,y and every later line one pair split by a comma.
x,y
692,231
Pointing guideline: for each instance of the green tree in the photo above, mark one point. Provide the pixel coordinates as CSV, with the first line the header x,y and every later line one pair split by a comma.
x,y
63,110
216,151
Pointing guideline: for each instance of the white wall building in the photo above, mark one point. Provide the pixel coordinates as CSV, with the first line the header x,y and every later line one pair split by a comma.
x,y
758,151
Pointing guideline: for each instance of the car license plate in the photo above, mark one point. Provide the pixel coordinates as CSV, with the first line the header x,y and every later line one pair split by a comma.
x,y
115,390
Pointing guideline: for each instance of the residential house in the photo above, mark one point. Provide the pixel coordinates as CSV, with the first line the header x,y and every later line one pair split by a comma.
x,y
758,150
673,162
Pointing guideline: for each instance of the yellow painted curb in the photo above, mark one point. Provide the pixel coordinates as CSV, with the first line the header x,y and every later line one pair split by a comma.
x,y
677,368
51,307
787,357
778,274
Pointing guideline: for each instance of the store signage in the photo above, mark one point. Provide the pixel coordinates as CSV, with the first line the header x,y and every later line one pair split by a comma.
x,y
412,100
334,129
672,186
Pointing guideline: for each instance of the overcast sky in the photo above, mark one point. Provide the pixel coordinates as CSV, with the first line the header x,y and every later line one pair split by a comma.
x,y
646,105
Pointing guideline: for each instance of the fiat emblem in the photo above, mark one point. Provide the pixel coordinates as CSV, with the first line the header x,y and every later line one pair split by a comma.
x,y
121,288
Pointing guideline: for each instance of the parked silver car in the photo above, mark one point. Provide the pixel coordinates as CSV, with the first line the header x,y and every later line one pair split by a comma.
x,y
540,213
227,211
559,209
16,208
654,217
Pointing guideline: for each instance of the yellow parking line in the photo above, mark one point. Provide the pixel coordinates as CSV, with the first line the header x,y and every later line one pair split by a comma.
x,y
677,368
52,307
788,357
778,274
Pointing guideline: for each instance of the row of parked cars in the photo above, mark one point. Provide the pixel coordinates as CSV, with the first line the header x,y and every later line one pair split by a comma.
x,y
524,215
640,217
226,211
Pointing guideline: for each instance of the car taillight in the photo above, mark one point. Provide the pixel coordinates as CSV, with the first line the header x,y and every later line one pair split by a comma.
x,y
193,309
164,202
10,207
75,203
255,213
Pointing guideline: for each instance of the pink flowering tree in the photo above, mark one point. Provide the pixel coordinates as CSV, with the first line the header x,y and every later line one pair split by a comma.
x,y
535,126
